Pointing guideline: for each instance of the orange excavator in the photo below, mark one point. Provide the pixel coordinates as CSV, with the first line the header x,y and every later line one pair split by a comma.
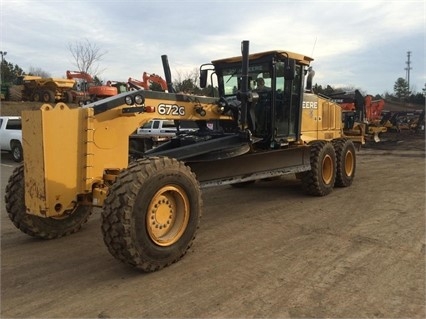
x,y
147,79
87,91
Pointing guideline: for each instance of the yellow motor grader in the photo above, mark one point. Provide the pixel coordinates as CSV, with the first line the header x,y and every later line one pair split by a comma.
x,y
77,159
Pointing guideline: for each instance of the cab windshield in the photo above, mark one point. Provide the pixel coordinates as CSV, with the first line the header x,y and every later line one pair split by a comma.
x,y
276,110
232,78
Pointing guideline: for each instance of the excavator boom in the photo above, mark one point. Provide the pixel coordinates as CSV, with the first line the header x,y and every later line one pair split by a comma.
x,y
147,79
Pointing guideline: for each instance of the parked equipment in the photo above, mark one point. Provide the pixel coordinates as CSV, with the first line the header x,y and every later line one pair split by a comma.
x,y
369,110
147,79
365,110
86,90
151,207
38,89
404,121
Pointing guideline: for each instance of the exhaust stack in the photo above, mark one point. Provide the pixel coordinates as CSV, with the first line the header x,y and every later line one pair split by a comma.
x,y
311,74
167,74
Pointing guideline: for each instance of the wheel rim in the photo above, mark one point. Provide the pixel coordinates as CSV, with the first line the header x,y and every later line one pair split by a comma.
x,y
36,97
327,169
168,215
349,163
16,153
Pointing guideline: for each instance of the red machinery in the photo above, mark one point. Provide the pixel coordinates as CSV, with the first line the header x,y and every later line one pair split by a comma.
x,y
370,111
146,80
365,110
88,86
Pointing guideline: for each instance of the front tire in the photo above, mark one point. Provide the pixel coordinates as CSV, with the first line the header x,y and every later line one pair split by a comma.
x,y
319,181
35,226
152,213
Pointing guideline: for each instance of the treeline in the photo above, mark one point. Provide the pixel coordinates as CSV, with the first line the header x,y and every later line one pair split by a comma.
x,y
400,94
188,83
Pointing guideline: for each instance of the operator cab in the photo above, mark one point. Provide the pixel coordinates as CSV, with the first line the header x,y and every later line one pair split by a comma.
x,y
274,114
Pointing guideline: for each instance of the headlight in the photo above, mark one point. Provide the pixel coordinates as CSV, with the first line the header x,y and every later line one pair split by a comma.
x,y
129,100
139,99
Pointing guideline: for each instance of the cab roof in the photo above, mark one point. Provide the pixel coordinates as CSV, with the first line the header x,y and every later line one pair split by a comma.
x,y
302,59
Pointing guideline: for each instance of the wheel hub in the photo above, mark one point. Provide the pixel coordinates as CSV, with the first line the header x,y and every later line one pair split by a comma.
x,y
349,163
161,215
168,215
327,169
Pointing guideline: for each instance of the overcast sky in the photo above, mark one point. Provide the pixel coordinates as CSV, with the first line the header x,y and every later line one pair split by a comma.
x,y
361,44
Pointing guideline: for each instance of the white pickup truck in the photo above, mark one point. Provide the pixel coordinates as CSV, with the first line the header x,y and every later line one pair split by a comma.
x,y
155,132
11,136
163,130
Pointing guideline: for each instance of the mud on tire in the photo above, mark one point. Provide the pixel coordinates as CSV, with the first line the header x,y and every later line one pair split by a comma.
x,y
319,181
152,213
40,227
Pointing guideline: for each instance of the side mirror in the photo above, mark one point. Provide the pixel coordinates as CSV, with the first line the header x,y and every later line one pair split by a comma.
x,y
289,69
203,78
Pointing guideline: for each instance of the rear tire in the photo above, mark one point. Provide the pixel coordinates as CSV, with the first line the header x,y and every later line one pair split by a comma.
x,y
152,213
36,96
346,162
68,97
48,96
45,228
319,181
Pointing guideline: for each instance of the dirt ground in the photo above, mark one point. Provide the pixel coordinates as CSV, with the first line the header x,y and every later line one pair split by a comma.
x,y
266,250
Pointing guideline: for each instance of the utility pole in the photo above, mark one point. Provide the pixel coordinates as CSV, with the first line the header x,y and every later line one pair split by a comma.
x,y
2,53
408,68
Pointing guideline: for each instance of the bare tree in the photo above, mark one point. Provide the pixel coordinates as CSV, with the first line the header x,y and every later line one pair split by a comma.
x,y
186,82
87,56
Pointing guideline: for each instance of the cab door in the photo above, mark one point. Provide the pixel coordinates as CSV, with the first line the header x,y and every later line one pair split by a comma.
x,y
287,103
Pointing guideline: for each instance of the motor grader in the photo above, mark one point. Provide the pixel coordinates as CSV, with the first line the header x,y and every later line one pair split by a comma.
x,y
78,159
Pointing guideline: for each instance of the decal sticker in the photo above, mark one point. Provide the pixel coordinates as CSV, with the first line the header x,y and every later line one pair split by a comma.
x,y
309,105
171,109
